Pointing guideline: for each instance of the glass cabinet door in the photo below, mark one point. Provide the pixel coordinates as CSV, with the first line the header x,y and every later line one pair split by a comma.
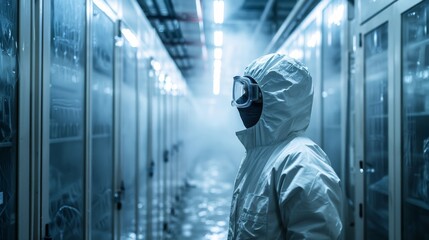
x,y
144,168
312,35
415,122
67,81
8,117
376,134
128,141
102,125
333,20
155,156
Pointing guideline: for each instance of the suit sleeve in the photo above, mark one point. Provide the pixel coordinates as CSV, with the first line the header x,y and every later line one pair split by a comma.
x,y
310,202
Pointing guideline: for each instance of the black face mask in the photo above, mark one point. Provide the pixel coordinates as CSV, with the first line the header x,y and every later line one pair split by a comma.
x,y
250,115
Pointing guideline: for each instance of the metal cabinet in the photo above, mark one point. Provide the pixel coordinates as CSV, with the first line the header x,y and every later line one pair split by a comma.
x,y
66,106
333,81
391,135
102,132
415,119
8,118
376,160
84,122
128,138
374,136
144,166
312,36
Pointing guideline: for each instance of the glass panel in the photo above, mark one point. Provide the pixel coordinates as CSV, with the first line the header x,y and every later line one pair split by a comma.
x,y
8,116
351,170
128,147
155,128
333,20
371,7
376,135
415,118
102,125
167,161
67,82
161,162
143,147
312,57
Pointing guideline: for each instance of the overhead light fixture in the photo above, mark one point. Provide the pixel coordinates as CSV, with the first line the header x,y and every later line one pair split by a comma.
x,y
218,53
218,11
131,38
218,38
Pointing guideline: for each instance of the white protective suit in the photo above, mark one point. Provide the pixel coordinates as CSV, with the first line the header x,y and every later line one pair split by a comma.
x,y
285,187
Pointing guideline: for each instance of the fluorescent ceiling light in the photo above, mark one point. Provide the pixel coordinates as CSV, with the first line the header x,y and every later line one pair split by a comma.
x,y
218,10
218,38
131,38
218,53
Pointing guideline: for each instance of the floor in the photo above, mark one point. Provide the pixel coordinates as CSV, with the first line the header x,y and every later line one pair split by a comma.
x,y
205,208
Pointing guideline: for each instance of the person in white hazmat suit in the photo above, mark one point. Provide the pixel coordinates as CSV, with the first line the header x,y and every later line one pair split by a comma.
x,y
285,187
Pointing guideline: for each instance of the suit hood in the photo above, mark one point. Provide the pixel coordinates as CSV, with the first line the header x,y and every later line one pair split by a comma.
x,y
287,93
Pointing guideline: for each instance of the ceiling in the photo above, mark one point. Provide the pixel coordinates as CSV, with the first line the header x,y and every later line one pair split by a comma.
x,y
186,28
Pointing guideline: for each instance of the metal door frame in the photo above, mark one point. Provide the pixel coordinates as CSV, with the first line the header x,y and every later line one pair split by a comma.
x,y
88,123
370,25
91,5
143,68
25,75
44,8
399,8
120,51
45,18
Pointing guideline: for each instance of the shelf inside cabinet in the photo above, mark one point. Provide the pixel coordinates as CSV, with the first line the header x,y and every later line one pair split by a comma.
x,y
378,116
5,144
66,139
381,186
412,45
376,78
418,114
419,203
101,136
332,126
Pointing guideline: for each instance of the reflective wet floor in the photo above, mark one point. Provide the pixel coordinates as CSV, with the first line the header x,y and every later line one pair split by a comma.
x,y
205,208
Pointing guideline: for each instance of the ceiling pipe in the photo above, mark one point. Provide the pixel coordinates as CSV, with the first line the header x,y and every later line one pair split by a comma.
x,y
177,31
263,18
202,33
290,23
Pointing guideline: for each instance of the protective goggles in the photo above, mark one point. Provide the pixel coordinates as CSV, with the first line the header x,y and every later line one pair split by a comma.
x,y
244,92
